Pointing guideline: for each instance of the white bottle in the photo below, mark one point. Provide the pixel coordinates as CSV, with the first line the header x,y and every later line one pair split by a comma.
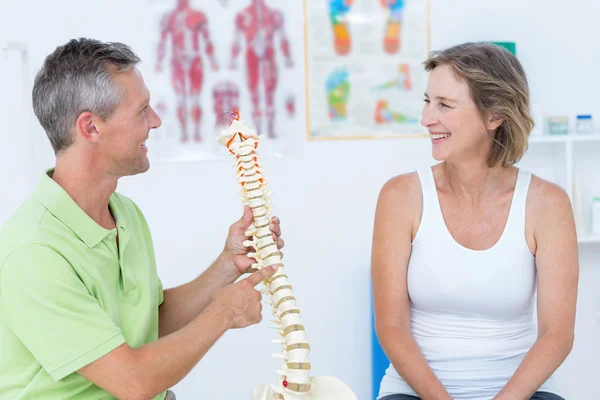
x,y
596,216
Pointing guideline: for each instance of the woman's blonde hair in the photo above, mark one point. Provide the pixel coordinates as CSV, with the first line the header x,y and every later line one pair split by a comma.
x,y
498,86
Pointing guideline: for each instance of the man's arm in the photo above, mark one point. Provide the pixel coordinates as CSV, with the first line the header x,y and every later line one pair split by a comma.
x,y
145,372
42,300
183,303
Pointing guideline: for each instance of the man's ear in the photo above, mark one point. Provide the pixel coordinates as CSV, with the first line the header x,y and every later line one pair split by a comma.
x,y
493,122
86,127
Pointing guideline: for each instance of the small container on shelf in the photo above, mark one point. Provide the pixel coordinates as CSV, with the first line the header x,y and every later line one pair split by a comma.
x,y
595,214
558,125
584,124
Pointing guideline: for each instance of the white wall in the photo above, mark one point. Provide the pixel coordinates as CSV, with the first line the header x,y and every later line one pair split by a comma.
x,y
14,78
326,197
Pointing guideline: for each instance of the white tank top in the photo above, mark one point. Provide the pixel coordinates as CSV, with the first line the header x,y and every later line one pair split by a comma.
x,y
472,311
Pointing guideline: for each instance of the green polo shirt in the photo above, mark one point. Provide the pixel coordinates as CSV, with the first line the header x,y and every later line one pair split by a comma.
x,y
69,295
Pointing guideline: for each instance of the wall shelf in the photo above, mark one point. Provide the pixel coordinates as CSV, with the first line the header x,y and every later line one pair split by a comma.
x,y
570,137
589,239
564,156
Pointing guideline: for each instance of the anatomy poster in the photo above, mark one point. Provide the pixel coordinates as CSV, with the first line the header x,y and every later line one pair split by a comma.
x,y
211,57
364,65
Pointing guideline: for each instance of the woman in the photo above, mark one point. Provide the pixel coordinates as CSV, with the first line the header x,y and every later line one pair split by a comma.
x,y
462,249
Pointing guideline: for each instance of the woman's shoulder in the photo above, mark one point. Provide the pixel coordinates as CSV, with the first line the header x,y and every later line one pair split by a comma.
x,y
549,215
543,193
400,201
406,185
547,203
402,194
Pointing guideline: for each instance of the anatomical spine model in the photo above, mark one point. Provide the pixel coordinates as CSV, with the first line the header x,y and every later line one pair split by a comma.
x,y
295,382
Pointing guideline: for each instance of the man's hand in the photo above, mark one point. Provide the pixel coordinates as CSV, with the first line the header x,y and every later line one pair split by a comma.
x,y
234,253
240,302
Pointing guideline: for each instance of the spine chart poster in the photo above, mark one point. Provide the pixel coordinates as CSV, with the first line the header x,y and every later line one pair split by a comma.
x,y
364,67
210,57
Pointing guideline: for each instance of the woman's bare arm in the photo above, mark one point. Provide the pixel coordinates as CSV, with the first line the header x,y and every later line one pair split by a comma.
x,y
557,265
398,212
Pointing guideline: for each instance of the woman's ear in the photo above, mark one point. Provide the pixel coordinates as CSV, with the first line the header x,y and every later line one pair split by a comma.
x,y
493,121
86,127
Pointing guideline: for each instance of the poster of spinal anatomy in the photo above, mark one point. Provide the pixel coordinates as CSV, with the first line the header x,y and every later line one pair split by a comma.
x,y
364,67
212,57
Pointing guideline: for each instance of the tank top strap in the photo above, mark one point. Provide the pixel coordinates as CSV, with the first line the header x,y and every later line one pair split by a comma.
x,y
431,216
515,226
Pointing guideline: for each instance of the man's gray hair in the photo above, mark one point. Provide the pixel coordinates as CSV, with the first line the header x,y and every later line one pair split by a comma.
x,y
75,78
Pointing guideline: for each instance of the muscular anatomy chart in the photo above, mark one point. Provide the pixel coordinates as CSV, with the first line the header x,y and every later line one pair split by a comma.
x,y
258,27
211,57
186,29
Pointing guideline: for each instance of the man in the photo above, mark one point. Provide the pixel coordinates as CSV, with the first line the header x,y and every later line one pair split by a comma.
x,y
82,311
